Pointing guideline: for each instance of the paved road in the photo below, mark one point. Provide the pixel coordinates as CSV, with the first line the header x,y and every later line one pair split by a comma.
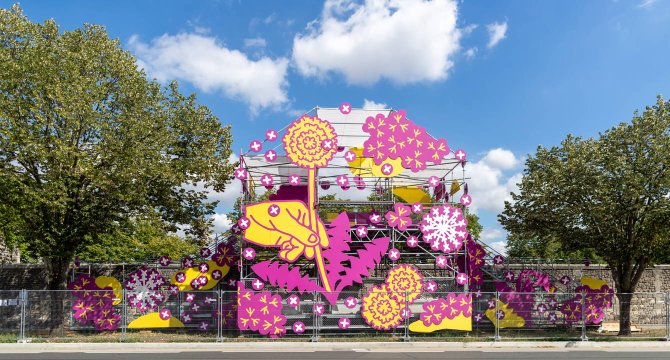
x,y
348,355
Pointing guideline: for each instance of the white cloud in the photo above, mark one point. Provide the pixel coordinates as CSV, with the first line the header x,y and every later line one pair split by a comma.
x,y
497,32
255,42
501,159
489,184
371,105
469,29
646,4
470,53
212,67
405,41
221,223
489,234
499,246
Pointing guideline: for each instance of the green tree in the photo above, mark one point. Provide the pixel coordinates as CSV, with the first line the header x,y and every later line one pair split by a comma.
x,y
610,194
474,226
547,248
88,144
137,242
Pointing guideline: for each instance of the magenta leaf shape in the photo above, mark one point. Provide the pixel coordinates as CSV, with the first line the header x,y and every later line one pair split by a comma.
x,y
344,270
285,276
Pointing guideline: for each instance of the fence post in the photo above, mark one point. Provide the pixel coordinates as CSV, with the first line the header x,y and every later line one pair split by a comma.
x,y
667,316
219,316
315,320
124,315
584,337
496,337
22,306
406,338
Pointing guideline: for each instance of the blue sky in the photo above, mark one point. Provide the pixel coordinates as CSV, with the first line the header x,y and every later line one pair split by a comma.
x,y
496,78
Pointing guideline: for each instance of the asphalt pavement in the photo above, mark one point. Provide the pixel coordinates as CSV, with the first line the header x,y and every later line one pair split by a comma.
x,y
339,355
338,350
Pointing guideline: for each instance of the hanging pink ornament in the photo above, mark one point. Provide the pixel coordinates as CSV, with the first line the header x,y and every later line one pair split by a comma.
x,y
241,174
270,135
345,108
460,154
255,146
294,179
270,155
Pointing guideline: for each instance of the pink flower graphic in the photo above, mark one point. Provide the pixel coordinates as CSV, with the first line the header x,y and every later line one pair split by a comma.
x,y
400,217
143,288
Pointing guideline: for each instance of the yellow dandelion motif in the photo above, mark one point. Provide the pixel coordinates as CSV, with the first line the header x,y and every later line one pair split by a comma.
x,y
310,142
405,280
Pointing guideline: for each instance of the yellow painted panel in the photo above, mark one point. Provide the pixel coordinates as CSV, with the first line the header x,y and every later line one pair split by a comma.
x,y
412,194
153,320
106,281
592,282
194,272
460,322
365,167
511,319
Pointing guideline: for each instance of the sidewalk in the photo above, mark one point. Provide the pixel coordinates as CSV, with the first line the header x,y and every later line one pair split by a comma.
x,y
281,346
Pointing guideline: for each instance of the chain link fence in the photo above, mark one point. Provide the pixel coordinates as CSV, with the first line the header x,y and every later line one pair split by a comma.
x,y
213,316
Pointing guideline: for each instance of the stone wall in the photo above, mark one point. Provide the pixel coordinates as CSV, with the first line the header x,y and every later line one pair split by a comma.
x,y
649,303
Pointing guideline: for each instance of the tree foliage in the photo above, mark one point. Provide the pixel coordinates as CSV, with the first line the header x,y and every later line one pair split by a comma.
x,y
89,145
610,194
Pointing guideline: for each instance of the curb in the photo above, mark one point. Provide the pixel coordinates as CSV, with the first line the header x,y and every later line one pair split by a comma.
x,y
332,346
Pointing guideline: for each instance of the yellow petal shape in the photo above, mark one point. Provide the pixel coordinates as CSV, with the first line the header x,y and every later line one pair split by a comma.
x,y
412,194
106,281
153,320
511,319
455,187
460,322
365,167
194,272
289,230
593,283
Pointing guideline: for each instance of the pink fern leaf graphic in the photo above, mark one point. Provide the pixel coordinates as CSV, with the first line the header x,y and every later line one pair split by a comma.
x,y
284,276
339,274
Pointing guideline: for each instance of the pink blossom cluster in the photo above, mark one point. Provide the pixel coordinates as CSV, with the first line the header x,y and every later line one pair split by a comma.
x,y
521,299
94,304
434,312
595,303
198,304
475,261
260,311
396,137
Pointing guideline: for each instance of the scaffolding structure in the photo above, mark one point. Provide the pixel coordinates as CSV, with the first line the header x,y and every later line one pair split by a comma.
x,y
368,195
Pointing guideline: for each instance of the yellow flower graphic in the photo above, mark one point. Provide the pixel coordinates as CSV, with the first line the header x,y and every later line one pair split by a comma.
x,y
310,142
405,280
381,310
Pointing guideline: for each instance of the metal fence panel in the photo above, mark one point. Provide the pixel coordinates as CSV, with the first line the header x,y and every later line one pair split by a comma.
x,y
10,315
310,316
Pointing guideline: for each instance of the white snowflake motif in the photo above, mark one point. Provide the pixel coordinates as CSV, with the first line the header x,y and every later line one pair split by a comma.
x,y
143,288
444,228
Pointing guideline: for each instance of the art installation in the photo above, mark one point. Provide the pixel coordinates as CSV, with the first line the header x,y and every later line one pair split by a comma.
x,y
331,204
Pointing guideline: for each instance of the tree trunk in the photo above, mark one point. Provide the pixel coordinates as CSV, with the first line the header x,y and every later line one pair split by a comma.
x,y
56,272
57,267
624,312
